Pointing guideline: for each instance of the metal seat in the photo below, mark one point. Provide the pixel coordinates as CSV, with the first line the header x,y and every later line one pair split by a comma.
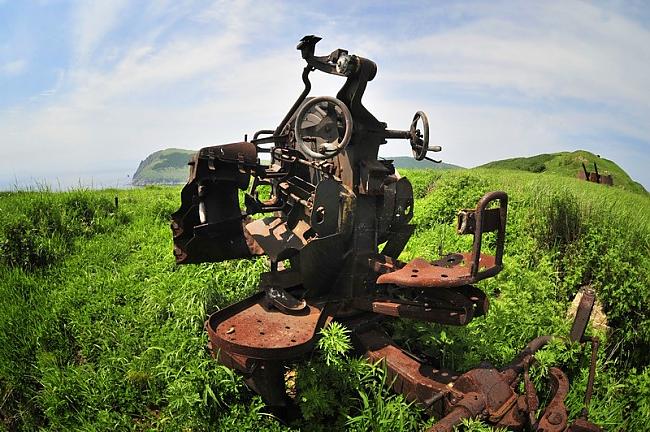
x,y
460,269
251,329
453,270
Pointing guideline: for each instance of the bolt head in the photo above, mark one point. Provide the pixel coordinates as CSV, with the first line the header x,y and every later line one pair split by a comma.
x,y
554,418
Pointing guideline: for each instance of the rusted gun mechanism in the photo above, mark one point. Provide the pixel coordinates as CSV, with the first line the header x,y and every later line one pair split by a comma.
x,y
336,219
595,176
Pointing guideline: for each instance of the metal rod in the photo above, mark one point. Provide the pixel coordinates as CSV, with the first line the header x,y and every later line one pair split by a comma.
x,y
301,98
262,132
397,134
595,343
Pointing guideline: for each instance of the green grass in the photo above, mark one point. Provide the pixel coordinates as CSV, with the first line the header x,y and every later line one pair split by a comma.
x,y
99,329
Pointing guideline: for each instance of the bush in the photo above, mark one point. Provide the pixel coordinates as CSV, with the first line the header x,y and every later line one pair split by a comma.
x,y
106,332
40,228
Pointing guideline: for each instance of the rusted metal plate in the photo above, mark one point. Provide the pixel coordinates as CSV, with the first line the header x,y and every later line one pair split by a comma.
x,y
321,263
554,418
249,328
491,221
477,297
419,383
326,212
582,425
255,328
240,152
455,306
583,314
274,236
449,315
398,236
419,273
208,225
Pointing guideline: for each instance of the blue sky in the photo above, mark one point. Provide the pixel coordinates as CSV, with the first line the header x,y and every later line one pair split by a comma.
x,y
95,86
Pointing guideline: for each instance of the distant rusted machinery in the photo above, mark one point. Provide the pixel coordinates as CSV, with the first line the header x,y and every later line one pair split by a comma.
x,y
336,220
595,176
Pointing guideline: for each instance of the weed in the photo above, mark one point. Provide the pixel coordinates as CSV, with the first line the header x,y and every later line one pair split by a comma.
x,y
100,330
334,343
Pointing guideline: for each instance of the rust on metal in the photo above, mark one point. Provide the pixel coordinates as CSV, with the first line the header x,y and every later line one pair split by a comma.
x,y
420,383
532,401
583,313
256,331
455,272
582,425
332,218
594,176
554,417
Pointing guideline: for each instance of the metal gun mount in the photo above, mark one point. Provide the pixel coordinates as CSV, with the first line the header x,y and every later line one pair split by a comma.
x,y
595,176
337,219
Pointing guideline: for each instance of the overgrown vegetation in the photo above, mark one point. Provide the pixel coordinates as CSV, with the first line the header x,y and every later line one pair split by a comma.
x,y
39,228
99,329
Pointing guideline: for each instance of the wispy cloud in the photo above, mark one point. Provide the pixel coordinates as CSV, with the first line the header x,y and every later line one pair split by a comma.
x,y
12,68
60,78
117,110
557,76
93,21
497,79
571,50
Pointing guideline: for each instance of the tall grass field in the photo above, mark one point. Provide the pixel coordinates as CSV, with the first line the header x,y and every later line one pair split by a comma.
x,y
100,330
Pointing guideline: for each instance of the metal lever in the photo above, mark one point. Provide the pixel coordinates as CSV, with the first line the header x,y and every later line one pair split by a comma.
x,y
284,301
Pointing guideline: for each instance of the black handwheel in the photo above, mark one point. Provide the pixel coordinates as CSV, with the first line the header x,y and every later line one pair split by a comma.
x,y
420,139
323,113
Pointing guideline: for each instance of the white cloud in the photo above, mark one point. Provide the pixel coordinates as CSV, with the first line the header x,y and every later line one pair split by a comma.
x,y
573,75
243,73
93,20
14,67
115,114
566,49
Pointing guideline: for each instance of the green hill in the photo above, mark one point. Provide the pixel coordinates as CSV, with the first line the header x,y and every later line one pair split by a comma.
x,y
569,164
167,166
170,167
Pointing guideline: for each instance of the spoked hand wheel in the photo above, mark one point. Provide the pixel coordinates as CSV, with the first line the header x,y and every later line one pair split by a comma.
x,y
420,139
318,127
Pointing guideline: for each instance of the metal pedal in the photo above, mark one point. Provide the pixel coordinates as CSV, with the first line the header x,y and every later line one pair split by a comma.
x,y
284,301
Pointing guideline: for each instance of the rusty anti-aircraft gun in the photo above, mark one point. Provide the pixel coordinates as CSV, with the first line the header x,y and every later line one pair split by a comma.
x,y
332,203
594,176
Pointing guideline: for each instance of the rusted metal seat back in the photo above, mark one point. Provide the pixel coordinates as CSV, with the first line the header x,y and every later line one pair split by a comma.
x,y
483,220
458,269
